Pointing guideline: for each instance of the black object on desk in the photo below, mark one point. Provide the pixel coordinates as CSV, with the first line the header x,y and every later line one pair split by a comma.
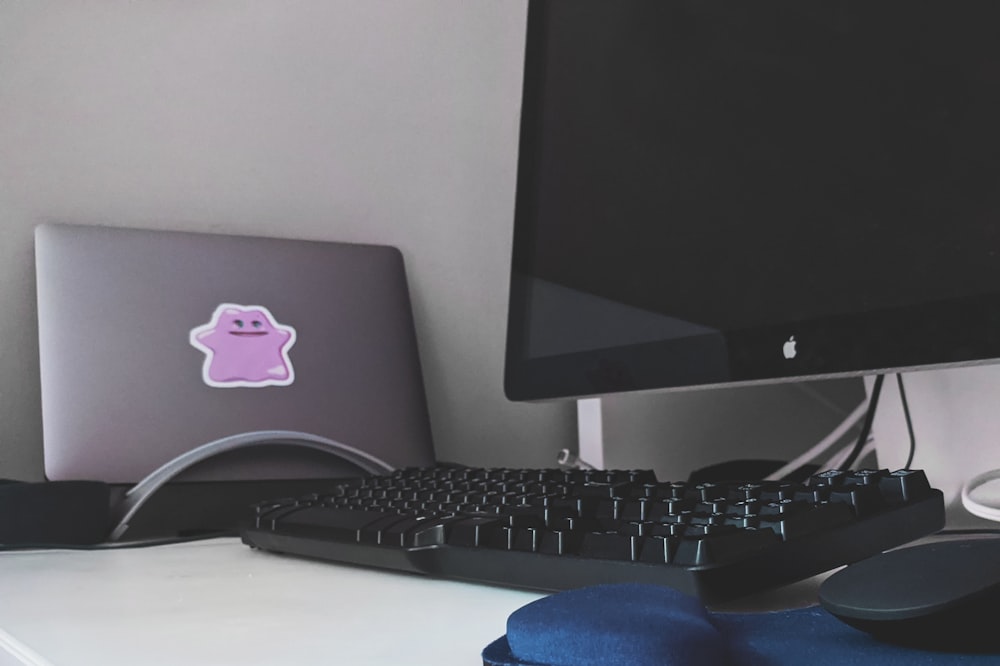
x,y
54,512
941,596
78,513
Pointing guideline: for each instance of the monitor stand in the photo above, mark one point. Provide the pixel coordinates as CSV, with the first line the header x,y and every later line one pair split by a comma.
x,y
956,422
590,432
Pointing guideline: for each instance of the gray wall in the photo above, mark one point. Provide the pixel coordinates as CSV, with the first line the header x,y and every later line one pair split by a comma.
x,y
386,121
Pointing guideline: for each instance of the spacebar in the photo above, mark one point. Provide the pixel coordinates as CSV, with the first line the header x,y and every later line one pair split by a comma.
x,y
332,523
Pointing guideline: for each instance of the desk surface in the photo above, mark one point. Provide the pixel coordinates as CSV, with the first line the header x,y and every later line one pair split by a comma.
x,y
219,602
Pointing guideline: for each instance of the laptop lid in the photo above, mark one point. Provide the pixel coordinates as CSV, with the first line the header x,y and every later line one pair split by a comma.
x,y
153,343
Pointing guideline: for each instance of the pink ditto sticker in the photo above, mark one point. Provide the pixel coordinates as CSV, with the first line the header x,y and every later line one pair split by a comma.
x,y
244,345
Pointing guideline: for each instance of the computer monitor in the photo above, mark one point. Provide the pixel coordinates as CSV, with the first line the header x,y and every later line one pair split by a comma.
x,y
721,192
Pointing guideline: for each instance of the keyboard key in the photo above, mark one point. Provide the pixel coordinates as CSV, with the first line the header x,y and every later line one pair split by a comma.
x,y
659,549
831,477
524,517
609,546
559,542
503,538
373,532
417,531
813,520
723,546
473,532
526,540
338,524
905,485
865,500
865,477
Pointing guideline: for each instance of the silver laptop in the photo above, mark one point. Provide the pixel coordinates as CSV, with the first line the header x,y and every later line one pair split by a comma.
x,y
154,343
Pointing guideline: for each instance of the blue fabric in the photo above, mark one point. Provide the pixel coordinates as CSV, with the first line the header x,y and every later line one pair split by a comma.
x,y
616,623
640,625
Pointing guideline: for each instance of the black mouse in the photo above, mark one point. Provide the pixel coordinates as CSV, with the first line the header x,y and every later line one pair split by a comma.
x,y
940,596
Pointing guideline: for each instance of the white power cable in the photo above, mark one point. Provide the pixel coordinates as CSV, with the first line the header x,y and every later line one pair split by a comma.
x,y
837,459
849,422
976,507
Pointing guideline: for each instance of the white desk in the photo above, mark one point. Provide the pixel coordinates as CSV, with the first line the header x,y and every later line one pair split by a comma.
x,y
219,602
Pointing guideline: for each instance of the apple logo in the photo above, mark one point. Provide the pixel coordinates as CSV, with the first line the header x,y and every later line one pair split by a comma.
x,y
788,349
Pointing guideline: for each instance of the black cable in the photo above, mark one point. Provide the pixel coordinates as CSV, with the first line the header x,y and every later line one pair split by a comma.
x,y
867,427
909,422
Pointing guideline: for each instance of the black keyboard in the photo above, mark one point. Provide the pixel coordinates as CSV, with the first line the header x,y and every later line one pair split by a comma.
x,y
550,529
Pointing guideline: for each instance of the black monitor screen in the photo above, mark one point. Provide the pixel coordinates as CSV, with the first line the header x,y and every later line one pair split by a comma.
x,y
722,191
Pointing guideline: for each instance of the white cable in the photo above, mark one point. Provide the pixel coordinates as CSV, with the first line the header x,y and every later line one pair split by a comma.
x,y
834,461
837,459
975,507
823,445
